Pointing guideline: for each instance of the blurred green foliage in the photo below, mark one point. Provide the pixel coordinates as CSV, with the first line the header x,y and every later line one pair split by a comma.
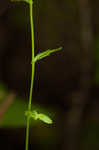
x,y
91,138
96,60
14,115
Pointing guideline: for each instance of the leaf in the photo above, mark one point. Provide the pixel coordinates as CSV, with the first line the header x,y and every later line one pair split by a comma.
x,y
46,53
41,117
45,118
35,115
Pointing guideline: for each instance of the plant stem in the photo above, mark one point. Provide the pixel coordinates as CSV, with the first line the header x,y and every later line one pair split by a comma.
x,y
32,75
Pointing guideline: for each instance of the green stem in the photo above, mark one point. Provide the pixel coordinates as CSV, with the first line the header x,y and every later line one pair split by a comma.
x,y
32,75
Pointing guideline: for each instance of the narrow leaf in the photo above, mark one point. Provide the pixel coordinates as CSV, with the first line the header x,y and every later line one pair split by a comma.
x,y
46,53
35,115
45,118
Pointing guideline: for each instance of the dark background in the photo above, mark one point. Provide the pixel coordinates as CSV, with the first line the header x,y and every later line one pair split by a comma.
x,y
67,81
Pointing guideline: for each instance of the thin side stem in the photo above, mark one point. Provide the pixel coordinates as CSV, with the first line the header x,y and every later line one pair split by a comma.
x,y
32,75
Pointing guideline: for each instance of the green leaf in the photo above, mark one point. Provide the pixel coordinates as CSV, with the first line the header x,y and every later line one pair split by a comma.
x,y
45,118
39,116
46,53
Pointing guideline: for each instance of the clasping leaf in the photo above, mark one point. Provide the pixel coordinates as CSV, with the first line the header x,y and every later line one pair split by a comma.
x,y
46,53
39,116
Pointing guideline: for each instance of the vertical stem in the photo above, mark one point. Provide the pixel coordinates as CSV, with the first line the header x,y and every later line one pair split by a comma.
x,y
32,75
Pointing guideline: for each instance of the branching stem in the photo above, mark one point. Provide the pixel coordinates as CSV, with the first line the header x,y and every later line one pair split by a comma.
x,y
32,75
